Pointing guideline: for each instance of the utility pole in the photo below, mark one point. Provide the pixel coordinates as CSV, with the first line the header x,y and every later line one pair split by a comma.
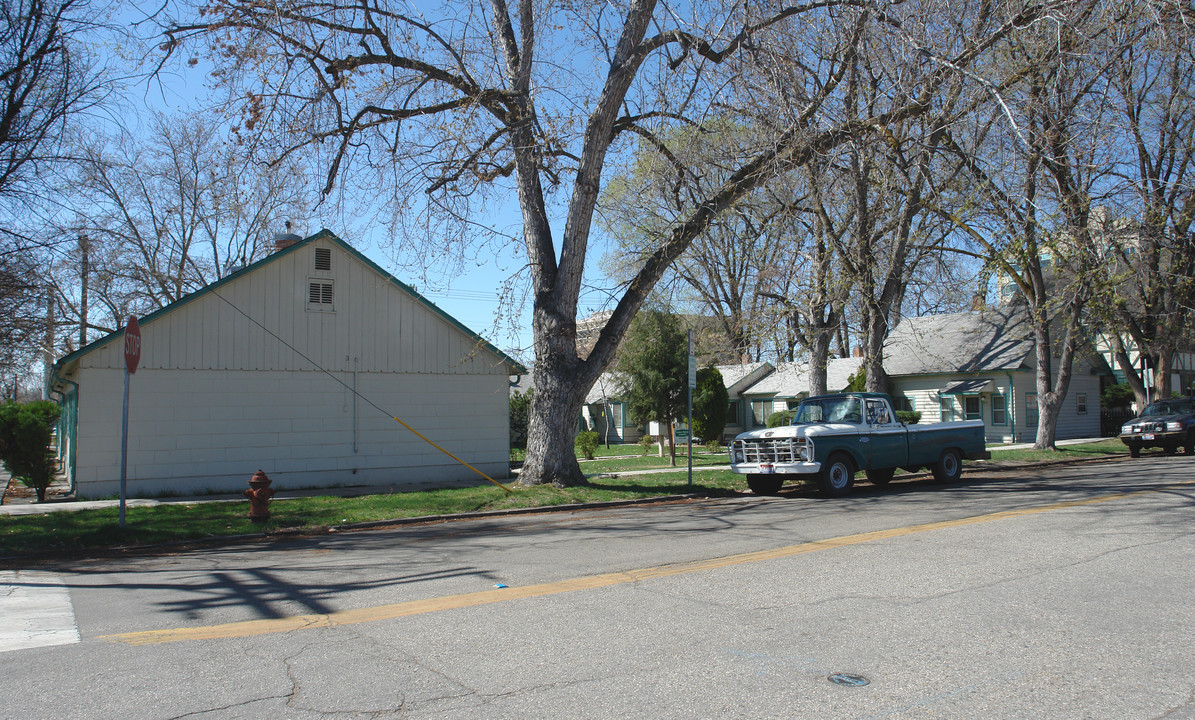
x,y
84,278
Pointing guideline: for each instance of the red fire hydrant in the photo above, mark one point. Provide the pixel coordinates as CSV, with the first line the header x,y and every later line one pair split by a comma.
x,y
259,494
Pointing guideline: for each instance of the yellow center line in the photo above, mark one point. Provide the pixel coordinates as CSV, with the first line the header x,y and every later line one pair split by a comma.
x,y
251,628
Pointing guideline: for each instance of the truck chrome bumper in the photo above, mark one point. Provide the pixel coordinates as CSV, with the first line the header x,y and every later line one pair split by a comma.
x,y
803,468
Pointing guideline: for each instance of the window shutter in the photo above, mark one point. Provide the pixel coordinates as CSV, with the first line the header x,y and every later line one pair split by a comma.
x,y
323,259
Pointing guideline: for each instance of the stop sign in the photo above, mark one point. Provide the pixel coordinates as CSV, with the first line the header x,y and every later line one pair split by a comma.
x,y
132,344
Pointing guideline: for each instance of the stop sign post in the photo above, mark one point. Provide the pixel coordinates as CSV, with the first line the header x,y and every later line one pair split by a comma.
x,y
132,345
132,356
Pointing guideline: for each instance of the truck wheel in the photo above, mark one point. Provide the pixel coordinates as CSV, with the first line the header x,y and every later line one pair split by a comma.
x,y
837,476
1190,445
880,477
1171,449
949,467
765,484
1134,450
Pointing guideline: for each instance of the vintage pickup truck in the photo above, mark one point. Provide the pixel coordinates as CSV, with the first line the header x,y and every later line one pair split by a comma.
x,y
834,436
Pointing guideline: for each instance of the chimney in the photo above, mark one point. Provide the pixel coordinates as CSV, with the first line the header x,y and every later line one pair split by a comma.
x,y
857,352
284,240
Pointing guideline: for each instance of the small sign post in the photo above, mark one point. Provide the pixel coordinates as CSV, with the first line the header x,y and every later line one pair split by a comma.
x,y
132,356
692,386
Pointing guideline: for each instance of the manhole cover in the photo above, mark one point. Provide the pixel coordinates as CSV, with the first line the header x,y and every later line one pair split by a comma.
x,y
848,679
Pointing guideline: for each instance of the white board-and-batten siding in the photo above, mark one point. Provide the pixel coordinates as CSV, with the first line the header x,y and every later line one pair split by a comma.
x,y
245,376
375,326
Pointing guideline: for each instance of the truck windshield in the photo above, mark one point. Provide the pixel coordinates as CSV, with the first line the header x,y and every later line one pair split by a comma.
x,y
845,410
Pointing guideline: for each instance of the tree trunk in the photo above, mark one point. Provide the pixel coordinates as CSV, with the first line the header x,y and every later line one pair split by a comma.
x,y
672,443
1130,373
555,405
876,331
819,359
1162,362
1050,398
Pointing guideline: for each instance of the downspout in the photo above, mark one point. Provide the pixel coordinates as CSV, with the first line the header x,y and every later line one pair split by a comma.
x,y
73,430
1012,408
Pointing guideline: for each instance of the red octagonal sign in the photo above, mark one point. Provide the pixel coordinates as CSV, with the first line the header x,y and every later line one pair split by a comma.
x,y
132,345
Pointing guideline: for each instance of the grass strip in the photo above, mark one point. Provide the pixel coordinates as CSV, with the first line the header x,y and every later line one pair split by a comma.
x,y
71,532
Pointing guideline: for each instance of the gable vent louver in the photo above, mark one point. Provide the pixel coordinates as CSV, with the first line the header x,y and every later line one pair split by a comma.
x,y
319,293
323,259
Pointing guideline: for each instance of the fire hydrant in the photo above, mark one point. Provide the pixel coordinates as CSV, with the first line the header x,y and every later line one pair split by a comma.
x,y
259,494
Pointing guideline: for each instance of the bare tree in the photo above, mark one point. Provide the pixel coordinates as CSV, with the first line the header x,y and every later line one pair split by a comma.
x,y
44,79
1041,173
165,215
731,267
1150,295
543,94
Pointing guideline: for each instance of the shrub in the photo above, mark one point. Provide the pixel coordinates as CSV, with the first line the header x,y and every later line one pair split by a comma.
x,y
780,418
909,417
1117,396
587,443
25,432
713,446
645,442
520,409
710,401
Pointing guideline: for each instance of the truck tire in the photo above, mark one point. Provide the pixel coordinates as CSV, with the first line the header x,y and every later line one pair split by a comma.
x,y
880,477
1190,444
1134,450
837,476
1170,449
949,467
765,484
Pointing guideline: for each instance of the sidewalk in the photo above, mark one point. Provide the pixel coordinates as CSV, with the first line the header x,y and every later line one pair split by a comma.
x,y
1029,446
19,500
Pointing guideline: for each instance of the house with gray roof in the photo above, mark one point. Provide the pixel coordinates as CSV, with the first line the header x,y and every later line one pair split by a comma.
x,y
981,366
788,384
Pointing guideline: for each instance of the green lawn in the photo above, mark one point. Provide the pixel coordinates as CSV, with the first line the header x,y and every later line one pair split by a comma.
x,y
66,532
78,530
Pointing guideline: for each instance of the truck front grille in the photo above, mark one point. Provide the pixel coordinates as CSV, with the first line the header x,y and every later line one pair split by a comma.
x,y
769,450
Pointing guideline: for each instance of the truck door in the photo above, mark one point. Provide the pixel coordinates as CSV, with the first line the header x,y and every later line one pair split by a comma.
x,y
889,439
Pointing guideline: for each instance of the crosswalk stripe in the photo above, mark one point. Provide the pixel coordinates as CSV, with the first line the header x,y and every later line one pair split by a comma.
x,y
35,610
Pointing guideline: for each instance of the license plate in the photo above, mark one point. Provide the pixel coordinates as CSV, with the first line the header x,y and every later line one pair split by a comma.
x,y
767,469
1147,436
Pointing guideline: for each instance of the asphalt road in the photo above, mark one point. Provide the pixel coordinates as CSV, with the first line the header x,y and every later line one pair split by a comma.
x,y
1054,594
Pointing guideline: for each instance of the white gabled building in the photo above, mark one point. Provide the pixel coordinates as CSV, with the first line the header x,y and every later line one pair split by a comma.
x,y
297,365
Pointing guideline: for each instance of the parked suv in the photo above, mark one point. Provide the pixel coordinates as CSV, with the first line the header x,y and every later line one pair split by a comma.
x,y
1166,424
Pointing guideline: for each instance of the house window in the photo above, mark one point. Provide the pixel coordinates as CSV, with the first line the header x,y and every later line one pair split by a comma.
x,y
732,413
319,295
972,407
760,410
946,407
1081,401
323,258
999,411
1030,409
616,416
903,403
